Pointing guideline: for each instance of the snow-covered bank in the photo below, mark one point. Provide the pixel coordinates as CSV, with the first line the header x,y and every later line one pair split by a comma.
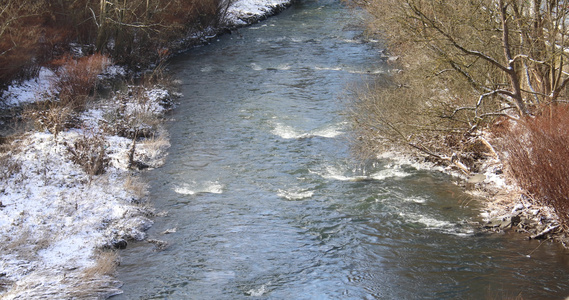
x,y
60,225
245,12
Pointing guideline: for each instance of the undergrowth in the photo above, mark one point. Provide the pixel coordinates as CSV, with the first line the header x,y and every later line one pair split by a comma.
x,y
76,78
89,152
537,155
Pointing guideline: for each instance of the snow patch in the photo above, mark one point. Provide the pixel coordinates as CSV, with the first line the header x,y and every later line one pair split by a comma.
x,y
243,12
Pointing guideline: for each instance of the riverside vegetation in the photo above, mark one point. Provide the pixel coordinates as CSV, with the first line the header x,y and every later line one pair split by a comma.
x,y
70,193
480,86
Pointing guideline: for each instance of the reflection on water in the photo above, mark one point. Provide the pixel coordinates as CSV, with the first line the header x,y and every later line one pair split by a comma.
x,y
266,202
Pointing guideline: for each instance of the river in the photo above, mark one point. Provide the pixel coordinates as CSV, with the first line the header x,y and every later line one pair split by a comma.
x,y
267,202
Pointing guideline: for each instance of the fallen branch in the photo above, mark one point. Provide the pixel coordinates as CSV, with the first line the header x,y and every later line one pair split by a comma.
x,y
453,160
544,232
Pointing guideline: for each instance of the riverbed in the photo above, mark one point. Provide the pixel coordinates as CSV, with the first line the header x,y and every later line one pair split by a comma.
x,y
262,197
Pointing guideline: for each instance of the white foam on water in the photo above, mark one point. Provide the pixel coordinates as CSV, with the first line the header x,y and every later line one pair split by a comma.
x,y
415,200
389,173
283,67
400,159
333,173
295,194
338,174
328,68
197,188
330,132
436,224
375,71
184,191
351,71
256,67
287,132
433,223
257,292
206,69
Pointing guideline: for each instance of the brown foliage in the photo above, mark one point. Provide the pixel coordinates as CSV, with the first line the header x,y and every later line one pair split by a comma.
x,y
537,150
131,32
76,78
19,36
31,32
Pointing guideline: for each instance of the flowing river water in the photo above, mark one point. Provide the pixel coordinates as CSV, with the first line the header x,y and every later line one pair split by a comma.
x,y
267,202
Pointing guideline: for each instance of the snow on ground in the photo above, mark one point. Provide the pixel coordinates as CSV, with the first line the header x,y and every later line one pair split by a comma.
x,y
244,12
59,225
56,219
30,90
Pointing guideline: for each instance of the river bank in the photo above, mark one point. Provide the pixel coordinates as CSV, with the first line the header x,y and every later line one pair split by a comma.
x,y
70,198
503,205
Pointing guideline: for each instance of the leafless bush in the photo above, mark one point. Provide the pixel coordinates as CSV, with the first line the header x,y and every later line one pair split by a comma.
x,y
89,152
537,153
76,78
412,110
137,115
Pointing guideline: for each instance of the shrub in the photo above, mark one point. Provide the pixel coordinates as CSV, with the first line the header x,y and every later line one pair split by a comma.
x,y
537,155
89,152
76,78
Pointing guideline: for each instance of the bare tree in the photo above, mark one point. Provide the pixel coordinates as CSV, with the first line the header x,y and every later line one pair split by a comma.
x,y
475,60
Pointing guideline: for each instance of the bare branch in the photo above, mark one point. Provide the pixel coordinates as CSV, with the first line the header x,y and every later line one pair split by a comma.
x,y
456,44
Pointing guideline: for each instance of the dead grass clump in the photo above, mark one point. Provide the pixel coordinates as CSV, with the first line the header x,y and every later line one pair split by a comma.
x,y
137,186
89,152
97,281
9,165
49,115
156,146
106,264
537,155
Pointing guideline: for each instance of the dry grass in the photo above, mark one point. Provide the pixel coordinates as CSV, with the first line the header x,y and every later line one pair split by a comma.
x,y
95,282
49,115
155,147
25,245
137,186
106,264
18,242
538,157
9,166
76,79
